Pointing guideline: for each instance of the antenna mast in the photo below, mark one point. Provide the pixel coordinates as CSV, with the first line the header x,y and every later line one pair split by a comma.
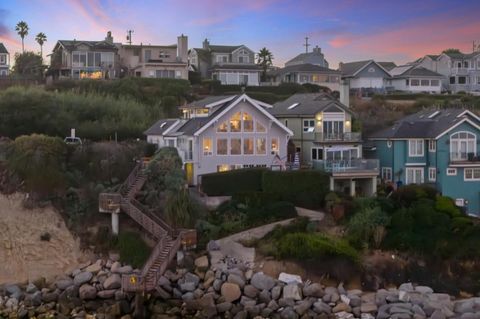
x,y
306,45
129,36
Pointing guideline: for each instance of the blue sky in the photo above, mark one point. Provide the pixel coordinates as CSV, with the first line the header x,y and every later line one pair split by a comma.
x,y
346,30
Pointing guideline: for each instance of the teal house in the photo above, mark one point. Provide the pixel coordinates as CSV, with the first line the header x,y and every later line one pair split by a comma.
x,y
437,147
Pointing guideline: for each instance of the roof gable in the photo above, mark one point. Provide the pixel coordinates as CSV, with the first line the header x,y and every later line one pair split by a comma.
x,y
3,49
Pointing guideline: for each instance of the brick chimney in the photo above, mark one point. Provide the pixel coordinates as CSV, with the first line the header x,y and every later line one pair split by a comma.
x,y
109,37
206,44
182,48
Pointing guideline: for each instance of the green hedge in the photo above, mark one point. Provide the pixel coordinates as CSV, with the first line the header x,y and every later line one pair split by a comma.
x,y
303,188
231,182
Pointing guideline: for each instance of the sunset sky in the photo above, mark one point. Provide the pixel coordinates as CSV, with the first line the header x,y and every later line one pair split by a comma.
x,y
349,30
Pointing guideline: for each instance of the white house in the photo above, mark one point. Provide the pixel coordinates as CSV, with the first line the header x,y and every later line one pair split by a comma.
x,y
221,133
415,79
367,74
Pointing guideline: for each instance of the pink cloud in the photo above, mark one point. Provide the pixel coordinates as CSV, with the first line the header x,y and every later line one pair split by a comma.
x,y
340,41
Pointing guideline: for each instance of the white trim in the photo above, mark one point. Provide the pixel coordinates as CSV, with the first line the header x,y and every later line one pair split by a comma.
x,y
410,150
384,172
244,98
469,113
453,173
434,170
413,169
367,64
473,179
457,124
228,99
170,128
415,164
434,148
242,47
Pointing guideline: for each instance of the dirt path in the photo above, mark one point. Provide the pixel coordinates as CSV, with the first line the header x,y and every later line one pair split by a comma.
x,y
23,256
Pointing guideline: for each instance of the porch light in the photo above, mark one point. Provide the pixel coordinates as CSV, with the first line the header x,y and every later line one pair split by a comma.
x,y
347,123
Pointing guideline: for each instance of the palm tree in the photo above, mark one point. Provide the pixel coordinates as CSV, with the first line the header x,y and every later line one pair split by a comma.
x,y
22,30
41,38
265,58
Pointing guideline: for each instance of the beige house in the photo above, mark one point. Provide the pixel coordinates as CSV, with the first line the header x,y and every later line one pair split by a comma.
x,y
80,59
156,61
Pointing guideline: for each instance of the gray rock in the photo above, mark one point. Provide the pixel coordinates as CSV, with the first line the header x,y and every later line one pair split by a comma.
x,y
34,299
438,314
273,305
321,307
408,287
202,263
292,291
264,297
465,306
241,315
276,292
355,301
217,284
187,286
250,291
106,294
11,303
188,296
82,278
224,307
189,277
49,296
236,279
302,308
207,306
113,282
282,302
418,311
31,288
14,291
470,315
424,289
313,290
213,245
94,268
87,292
288,313
64,283
261,281
247,302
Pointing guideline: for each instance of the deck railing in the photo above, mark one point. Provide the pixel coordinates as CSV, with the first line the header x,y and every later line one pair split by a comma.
x,y
351,165
339,137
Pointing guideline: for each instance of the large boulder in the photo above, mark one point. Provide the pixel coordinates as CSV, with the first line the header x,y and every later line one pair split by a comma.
x,y
87,292
262,281
95,268
313,290
64,283
82,277
230,291
236,279
250,291
292,291
112,282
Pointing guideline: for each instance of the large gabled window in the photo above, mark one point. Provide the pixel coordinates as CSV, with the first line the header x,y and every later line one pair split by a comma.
x,y
463,145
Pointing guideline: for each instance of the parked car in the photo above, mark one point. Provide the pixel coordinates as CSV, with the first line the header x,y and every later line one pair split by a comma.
x,y
73,140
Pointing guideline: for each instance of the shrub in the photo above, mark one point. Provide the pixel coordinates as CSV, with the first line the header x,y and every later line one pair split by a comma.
x,y
255,198
305,246
180,210
368,226
408,194
304,188
270,212
231,182
133,250
40,161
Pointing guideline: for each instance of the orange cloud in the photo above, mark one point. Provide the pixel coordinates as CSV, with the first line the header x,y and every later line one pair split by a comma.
x,y
339,42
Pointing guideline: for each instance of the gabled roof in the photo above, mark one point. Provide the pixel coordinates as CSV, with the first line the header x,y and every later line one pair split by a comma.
x,y
307,104
429,123
306,67
315,57
387,65
160,127
224,48
351,69
411,70
71,45
220,105
461,55
3,49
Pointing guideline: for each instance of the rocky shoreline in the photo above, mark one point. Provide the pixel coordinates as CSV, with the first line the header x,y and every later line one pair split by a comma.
x,y
231,290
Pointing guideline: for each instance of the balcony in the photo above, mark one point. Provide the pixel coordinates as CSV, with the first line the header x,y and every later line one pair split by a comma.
x,y
338,137
462,158
355,166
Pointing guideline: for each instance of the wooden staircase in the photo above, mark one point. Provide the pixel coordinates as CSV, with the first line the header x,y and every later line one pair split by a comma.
x,y
169,239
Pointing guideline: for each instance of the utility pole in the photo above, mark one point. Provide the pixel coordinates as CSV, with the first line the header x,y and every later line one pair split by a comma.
x,y
129,36
306,45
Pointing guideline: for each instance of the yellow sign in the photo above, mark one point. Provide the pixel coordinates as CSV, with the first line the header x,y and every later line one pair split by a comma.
x,y
133,280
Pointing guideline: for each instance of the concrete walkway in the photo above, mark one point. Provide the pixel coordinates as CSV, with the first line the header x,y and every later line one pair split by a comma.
x,y
231,247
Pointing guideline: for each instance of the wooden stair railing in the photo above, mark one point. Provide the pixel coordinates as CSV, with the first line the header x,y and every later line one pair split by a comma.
x,y
169,240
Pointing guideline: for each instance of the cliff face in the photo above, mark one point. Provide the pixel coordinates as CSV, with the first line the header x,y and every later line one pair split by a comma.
x,y
24,255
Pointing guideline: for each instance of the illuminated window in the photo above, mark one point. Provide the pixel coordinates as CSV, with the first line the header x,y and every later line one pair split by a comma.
x,y
207,146
236,122
260,127
248,146
236,146
223,168
222,146
309,126
247,122
274,145
223,127
261,147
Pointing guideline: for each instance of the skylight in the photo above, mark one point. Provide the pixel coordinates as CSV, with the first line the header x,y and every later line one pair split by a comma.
x,y
294,105
434,114
163,124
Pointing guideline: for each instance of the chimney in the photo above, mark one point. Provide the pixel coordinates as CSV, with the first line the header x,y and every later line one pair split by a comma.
x,y
340,66
206,44
345,92
317,49
182,48
109,37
